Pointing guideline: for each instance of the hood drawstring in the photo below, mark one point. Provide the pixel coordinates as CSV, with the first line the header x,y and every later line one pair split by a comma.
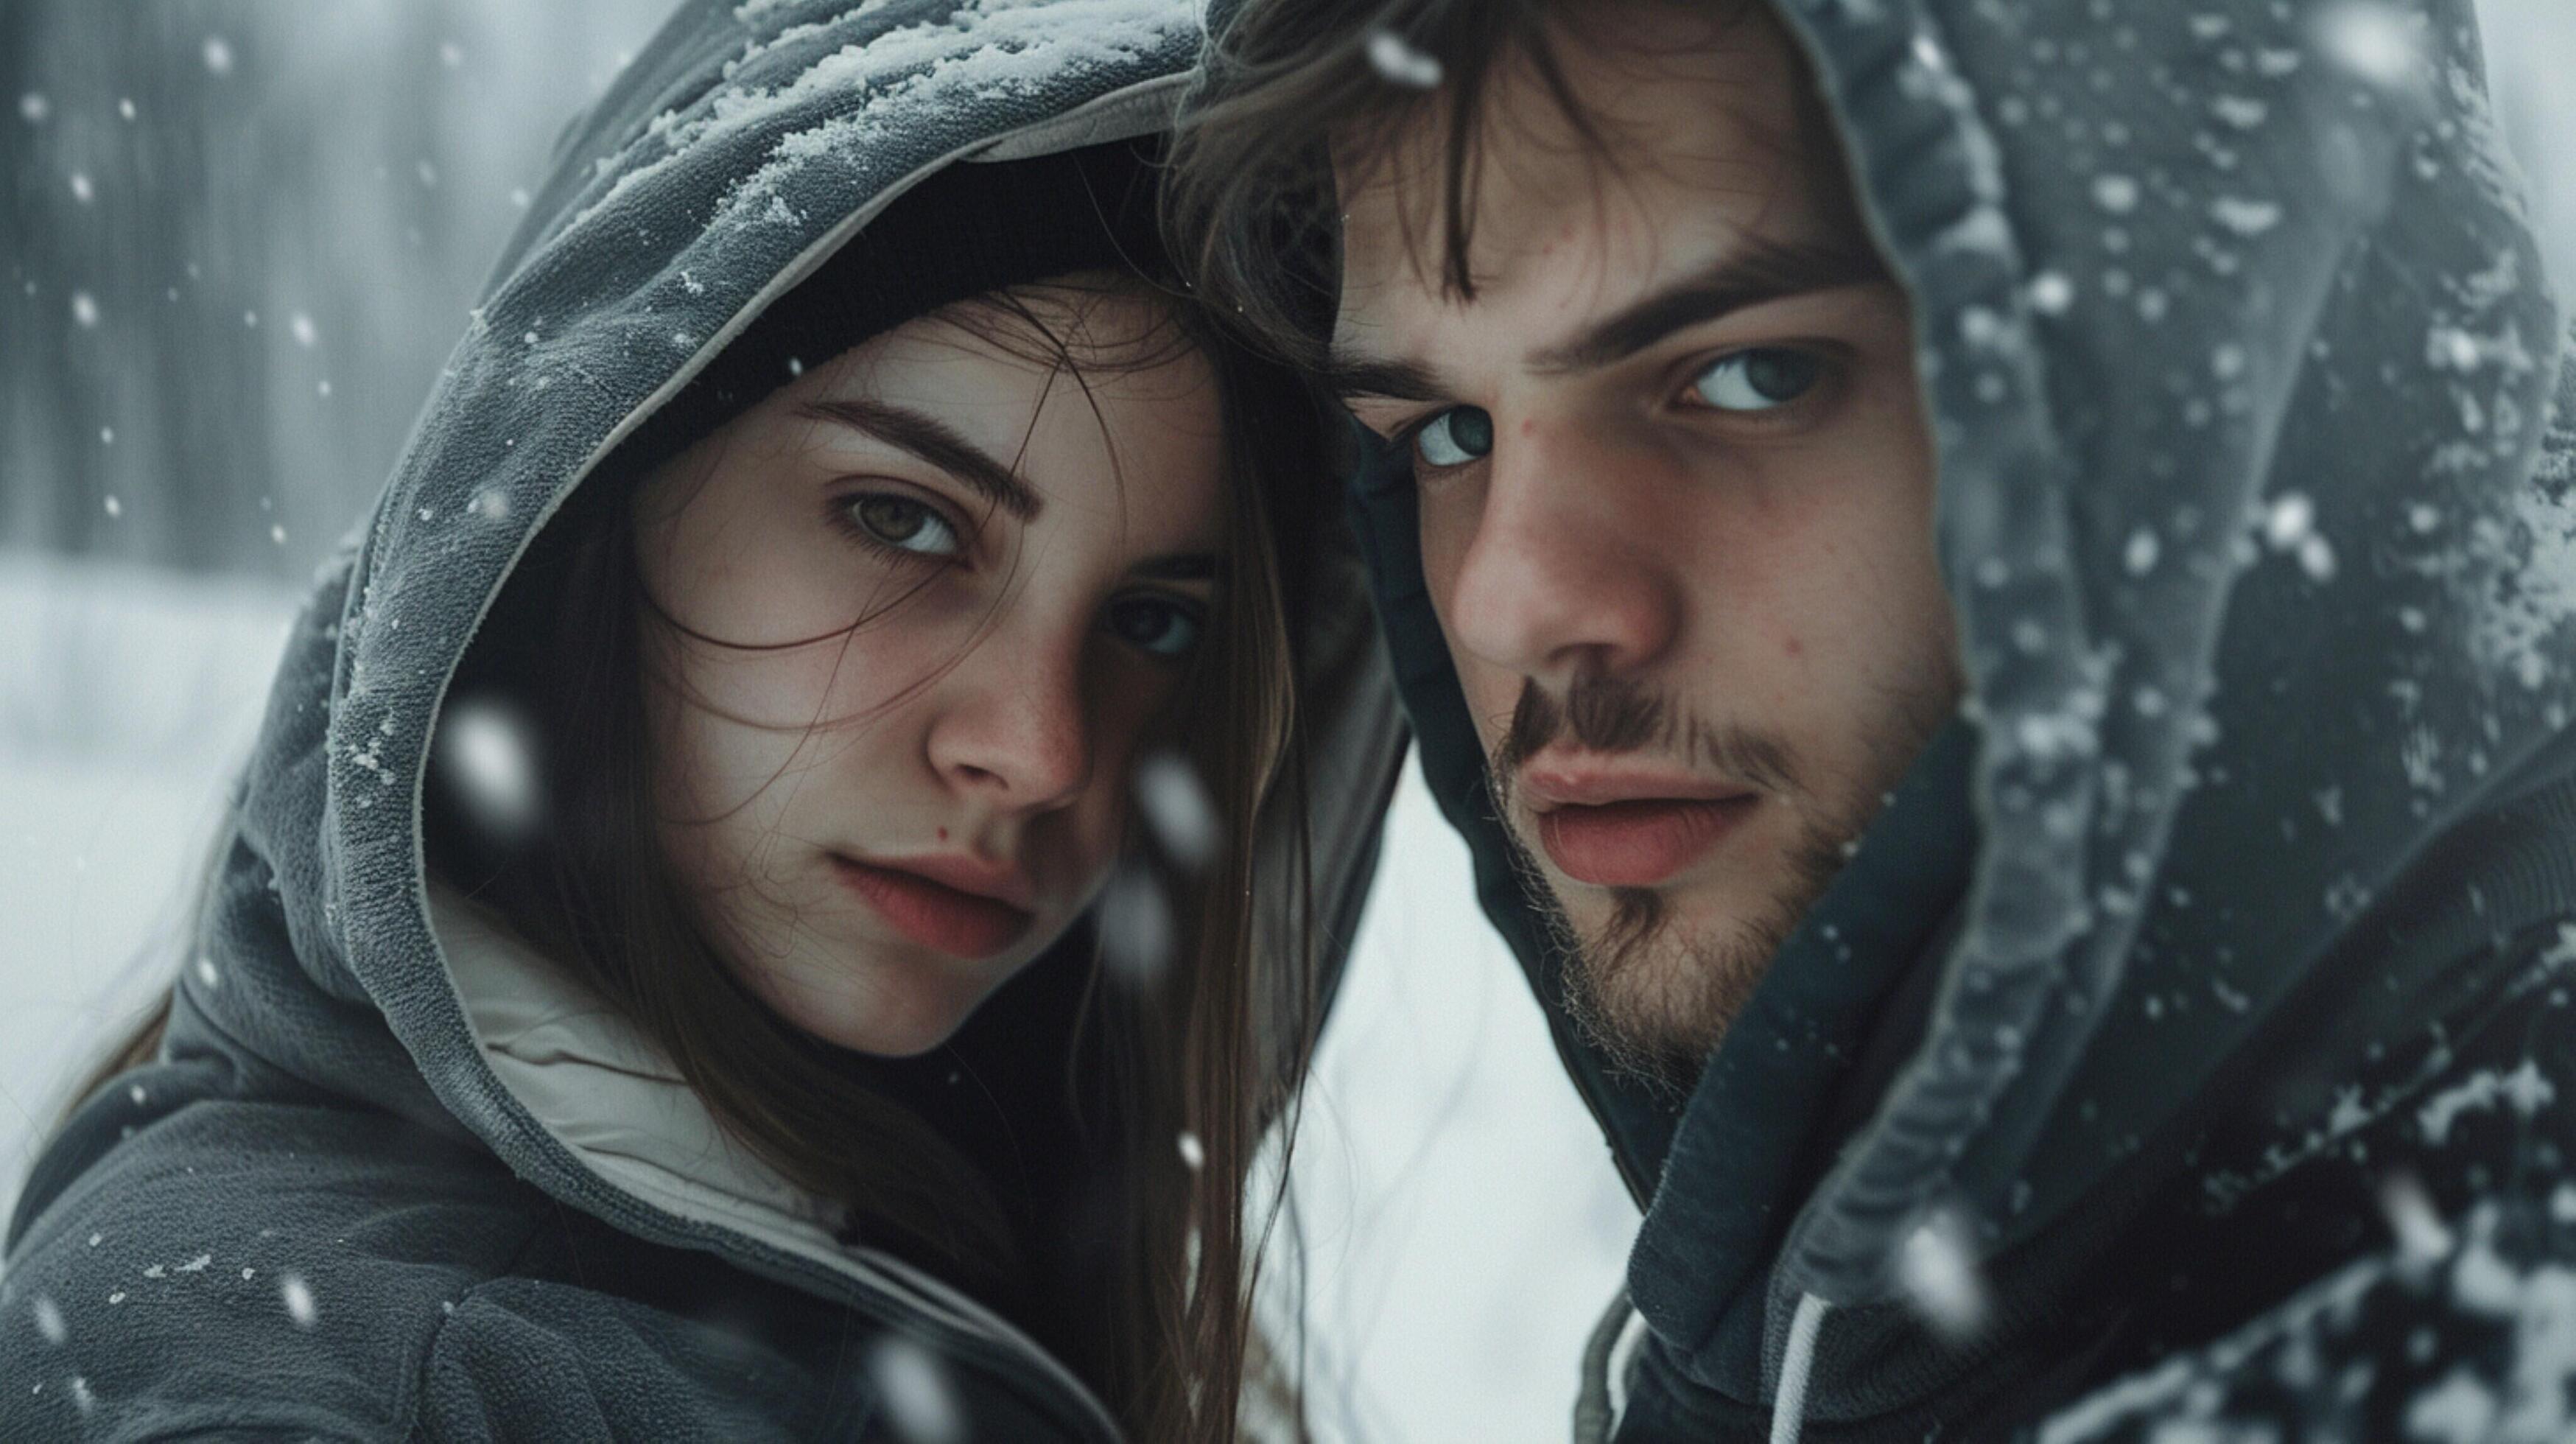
x,y
1797,1363
1596,1413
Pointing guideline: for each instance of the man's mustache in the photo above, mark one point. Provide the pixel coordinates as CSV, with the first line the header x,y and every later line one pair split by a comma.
x,y
1617,714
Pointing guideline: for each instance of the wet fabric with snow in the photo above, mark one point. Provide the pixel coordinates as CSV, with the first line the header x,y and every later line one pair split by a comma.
x,y
351,1200
2236,890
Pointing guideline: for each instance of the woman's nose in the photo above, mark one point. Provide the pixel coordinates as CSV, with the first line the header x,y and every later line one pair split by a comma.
x,y
1013,725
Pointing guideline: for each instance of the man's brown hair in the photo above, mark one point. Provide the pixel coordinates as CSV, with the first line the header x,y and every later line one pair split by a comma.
x,y
1291,88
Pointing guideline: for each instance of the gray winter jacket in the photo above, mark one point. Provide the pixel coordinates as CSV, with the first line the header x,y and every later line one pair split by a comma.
x,y
2186,1050
392,1176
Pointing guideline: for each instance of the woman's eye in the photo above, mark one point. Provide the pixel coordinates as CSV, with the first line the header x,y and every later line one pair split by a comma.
x,y
905,524
1762,379
1152,624
1456,436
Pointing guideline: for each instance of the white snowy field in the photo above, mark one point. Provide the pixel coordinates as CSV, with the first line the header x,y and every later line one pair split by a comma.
x,y
1462,1227
125,697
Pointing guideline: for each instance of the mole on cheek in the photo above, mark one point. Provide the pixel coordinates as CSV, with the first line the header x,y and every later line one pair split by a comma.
x,y
1793,646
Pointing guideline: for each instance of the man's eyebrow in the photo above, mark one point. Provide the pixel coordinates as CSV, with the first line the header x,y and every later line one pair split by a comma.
x,y
1180,567
1766,271
1347,374
934,441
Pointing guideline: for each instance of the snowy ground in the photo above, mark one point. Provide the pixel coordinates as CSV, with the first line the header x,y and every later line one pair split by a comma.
x,y
1461,1224
125,695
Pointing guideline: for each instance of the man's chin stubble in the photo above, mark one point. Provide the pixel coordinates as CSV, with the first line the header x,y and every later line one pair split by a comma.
x,y
1654,998
1655,993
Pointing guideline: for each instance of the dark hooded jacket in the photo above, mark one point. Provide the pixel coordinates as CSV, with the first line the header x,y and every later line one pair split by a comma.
x,y
392,1175
2187,1042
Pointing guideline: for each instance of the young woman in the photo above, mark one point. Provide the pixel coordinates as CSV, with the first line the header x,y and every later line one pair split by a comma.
x,y
658,981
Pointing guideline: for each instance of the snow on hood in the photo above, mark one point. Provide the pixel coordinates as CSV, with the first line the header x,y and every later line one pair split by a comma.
x,y
2239,359
739,151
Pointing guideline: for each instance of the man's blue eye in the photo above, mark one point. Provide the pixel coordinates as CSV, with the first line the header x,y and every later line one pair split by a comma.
x,y
1152,624
1456,436
1761,379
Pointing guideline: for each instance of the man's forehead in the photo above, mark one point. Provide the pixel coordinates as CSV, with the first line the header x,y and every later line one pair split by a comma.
x,y
1679,160
1412,350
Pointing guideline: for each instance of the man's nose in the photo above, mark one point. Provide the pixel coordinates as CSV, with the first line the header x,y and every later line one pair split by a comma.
x,y
1562,573
1014,724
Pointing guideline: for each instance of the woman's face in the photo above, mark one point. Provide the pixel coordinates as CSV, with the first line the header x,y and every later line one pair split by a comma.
x,y
919,613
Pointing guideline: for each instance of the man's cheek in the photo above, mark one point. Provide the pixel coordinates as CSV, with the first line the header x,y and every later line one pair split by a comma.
x,y
1491,694
1443,552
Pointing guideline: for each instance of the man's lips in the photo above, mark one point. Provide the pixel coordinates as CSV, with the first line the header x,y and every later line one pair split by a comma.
x,y
1637,844
935,912
1624,827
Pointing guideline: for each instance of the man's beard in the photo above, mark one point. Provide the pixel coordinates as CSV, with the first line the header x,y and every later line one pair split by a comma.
x,y
1653,996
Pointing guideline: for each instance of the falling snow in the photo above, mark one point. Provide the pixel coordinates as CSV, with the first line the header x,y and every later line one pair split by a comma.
x,y
488,748
1937,1268
49,1321
1177,808
2051,293
2244,217
2290,521
298,1298
1137,930
2376,41
920,1402
2413,1220
1400,63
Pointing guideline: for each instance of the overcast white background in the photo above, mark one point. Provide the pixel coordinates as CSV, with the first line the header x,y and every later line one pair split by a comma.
x,y
1461,1228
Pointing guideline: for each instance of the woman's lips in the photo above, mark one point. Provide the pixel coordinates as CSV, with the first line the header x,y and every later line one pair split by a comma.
x,y
933,914
1638,843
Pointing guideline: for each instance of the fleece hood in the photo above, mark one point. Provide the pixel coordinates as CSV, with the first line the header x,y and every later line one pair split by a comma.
x,y
743,147
2239,358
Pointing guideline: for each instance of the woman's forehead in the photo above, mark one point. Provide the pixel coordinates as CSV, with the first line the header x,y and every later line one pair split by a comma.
x,y
1095,402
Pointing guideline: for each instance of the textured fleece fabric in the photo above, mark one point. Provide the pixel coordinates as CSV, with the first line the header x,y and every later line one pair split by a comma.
x,y
365,1194
2199,1000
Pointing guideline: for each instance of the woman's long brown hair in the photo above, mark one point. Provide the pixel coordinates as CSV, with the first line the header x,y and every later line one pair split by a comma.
x,y
1211,1049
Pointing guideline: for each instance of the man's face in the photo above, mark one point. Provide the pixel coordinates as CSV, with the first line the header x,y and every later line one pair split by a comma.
x,y
1676,499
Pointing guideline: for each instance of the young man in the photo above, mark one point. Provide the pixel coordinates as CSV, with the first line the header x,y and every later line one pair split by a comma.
x,y
1991,587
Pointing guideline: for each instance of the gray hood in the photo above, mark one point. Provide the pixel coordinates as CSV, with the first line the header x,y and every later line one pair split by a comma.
x,y
2239,358
743,147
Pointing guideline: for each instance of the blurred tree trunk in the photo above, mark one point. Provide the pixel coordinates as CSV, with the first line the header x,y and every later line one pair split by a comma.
x,y
285,210
48,498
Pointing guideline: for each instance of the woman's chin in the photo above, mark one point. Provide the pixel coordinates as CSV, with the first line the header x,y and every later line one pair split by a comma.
x,y
896,1011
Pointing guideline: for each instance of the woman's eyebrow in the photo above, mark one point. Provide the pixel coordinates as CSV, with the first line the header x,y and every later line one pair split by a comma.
x,y
934,441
